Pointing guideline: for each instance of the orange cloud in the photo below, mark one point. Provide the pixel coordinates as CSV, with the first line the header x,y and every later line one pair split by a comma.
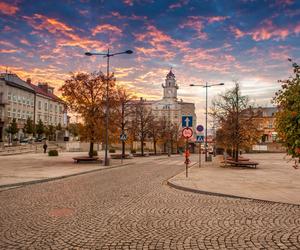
x,y
106,28
179,4
40,22
8,9
8,51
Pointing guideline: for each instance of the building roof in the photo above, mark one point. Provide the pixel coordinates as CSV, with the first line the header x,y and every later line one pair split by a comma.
x,y
15,81
44,93
170,74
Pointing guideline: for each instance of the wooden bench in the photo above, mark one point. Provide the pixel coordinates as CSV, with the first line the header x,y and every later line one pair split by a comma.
x,y
85,159
119,156
241,163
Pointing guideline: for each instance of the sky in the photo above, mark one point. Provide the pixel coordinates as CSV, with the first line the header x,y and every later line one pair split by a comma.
x,y
201,40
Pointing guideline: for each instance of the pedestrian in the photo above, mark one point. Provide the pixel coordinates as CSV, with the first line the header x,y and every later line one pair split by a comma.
x,y
45,147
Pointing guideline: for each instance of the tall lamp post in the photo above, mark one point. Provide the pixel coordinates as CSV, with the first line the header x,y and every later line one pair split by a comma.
x,y
206,86
107,55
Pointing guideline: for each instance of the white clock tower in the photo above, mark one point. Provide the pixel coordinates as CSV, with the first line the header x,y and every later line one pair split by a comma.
x,y
170,87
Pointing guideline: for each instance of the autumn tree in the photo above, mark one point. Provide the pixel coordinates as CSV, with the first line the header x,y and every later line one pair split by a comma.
x,y
288,116
155,126
143,117
85,94
236,124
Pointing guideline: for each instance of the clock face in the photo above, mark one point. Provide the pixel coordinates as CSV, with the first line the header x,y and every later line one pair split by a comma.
x,y
169,91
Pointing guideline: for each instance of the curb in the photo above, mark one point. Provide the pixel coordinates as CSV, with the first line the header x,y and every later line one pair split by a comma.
x,y
197,191
25,183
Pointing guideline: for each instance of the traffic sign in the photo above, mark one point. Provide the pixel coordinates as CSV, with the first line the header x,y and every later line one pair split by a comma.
x,y
200,128
123,137
187,121
187,133
200,138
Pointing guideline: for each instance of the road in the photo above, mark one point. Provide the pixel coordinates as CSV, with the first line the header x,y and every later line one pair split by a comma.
x,y
131,208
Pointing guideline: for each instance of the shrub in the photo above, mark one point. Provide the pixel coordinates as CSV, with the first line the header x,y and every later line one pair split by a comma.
x,y
95,153
133,151
53,153
112,150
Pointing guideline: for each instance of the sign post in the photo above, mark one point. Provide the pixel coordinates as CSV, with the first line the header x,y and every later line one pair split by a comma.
x,y
187,133
200,138
123,138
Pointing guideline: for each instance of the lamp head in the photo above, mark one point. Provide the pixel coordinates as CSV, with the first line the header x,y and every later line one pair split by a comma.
x,y
88,53
129,51
192,85
222,83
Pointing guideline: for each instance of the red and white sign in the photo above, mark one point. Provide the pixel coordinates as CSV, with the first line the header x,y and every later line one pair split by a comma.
x,y
187,133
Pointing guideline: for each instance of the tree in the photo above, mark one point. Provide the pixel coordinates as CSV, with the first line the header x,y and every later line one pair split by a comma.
x,y
29,126
235,119
13,127
122,112
74,129
85,95
155,131
50,132
143,118
40,128
288,116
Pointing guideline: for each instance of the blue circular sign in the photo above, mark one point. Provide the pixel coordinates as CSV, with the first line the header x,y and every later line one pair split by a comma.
x,y
200,128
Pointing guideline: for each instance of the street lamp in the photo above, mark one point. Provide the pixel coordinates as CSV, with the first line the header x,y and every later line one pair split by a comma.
x,y
206,86
107,55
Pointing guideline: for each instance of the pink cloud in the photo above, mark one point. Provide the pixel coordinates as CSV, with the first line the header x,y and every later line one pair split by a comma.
x,y
105,28
195,23
128,2
179,4
132,17
268,31
198,23
8,9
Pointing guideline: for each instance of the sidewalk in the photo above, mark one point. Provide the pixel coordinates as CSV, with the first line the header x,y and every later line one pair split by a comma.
x,y
274,179
21,169
17,169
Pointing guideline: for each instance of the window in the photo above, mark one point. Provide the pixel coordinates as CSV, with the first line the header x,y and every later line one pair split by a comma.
x,y
9,96
19,99
50,107
15,98
39,105
60,109
23,114
270,125
46,106
24,101
32,103
28,102
19,113
55,108
8,112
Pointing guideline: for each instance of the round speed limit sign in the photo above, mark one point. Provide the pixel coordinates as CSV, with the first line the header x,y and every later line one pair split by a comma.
x,y
187,133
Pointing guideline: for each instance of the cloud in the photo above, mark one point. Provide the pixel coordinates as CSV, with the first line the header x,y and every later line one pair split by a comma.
x,y
8,9
162,45
134,17
198,23
41,22
105,28
267,30
7,51
179,4
128,2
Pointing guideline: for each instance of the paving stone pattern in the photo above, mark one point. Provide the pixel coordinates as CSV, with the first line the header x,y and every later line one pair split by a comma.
x,y
131,208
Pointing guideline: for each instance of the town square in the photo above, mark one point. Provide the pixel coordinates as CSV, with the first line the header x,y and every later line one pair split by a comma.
x,y
147,124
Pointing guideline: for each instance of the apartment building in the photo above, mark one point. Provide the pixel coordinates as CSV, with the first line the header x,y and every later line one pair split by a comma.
x,y
21,99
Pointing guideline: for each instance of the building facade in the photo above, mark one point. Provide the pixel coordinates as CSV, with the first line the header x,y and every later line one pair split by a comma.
x,y
22,100
169,107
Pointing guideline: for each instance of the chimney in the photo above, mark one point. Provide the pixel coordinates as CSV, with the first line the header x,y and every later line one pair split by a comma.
x,y
28,80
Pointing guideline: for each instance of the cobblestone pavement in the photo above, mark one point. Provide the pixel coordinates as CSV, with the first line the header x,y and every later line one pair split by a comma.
x,y
131,208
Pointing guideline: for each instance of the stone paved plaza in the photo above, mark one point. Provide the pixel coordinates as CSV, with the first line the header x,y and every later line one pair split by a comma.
x,y
131,207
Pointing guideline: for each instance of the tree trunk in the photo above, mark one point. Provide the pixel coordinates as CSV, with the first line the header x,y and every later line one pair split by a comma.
x,y
123,149
91,149
154,145
142,146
